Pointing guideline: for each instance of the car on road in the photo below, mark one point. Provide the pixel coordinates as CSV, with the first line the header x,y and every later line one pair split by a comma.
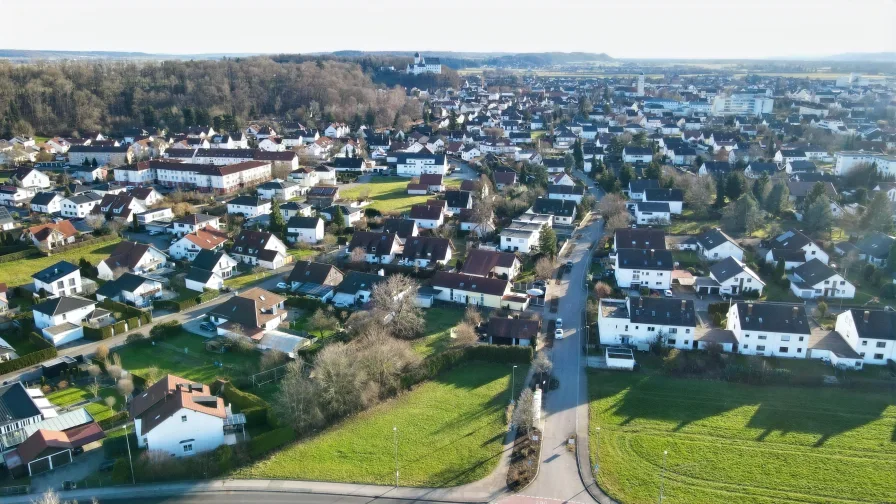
x,y
207,326
282,285
153,233
558,333
558,323
568,266
667,293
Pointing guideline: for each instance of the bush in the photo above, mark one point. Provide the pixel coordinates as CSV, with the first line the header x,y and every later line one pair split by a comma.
x,y
269,441
207,296
47,351
119,327
145,318
256,416
242,400
134,338
133,323
121,471
165,330
113,420
24,254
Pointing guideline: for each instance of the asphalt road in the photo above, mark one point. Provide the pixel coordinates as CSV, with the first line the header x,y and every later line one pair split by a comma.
x,y
266,497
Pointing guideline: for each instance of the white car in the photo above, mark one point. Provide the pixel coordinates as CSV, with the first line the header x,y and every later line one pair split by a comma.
x,y
282,285
558,323
558,333
667,293
153,233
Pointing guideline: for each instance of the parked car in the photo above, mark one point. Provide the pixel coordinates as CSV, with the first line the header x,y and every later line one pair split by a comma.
x,y
667,293
153,233
568,266
282,285
207,326
558,333
558,323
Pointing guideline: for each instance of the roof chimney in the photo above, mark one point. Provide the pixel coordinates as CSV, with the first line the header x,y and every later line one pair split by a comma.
x,y
640,302
652,251
749,308
866,316
795,311
684,305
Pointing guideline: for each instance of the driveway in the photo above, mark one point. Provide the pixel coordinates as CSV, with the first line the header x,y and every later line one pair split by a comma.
x,y
82,466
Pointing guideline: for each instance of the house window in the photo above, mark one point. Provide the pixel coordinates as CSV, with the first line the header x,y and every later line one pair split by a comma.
x,y
878,356
673,330
746,347
687,331
760,348
799,350
188,448
651,329
801,338
881,344
785,338
783,349
864,343
183,418
762,336
671,341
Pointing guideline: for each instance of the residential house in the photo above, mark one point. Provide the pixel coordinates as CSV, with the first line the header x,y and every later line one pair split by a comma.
x,y
410,164
652,213
673,197
714,168
814,279
784,156
715,245
378,247
314,280
563,211
791,258
632,154
194,222
60,318
639,238
404,228
505,179
259,248
133,257
51,235
6,221
60,279
249,314
80,205
148,196
305,230
100,154
178,417
735,278
491,264
795,240
875,247
522,238
46,202
281,190
639,321
29,177
477,291
292,209
423,251
643,268
209,269
131,289
118,206
356,288
470,221
512,331
190,244
871,333
427,217
775,329
350,214
566,192
249,207
458,200
433,182
322,196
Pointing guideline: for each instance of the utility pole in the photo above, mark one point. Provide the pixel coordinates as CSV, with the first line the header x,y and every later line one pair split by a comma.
x,y
395,437
127,443
663,476
512,383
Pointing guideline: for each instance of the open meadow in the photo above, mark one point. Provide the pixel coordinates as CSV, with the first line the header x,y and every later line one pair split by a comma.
x,y
390,194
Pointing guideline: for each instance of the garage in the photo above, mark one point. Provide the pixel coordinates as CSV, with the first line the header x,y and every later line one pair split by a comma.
x,y
706,285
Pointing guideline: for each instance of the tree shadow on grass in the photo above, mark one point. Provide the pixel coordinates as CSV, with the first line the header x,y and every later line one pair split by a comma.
x,y
778,410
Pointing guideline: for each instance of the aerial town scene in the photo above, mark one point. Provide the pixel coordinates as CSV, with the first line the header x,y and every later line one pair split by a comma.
x,y
579,253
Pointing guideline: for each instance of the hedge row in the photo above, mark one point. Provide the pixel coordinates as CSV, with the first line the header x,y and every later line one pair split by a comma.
x,y
165,330
113,238
269,441
133,323
47,352
97,333
256,416
310,305
115,447
24,254
242,400
207,295
113,420
120,327
126,310
176,305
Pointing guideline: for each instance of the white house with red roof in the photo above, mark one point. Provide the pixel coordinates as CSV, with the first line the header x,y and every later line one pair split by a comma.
x,y
192,243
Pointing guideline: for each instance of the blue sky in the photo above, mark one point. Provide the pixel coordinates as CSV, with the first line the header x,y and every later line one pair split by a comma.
x,y
620,28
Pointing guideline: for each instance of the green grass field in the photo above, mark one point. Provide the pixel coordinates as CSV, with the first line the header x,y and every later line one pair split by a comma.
x,y
437,335
192,361
390,194
245,279
740,444
19,272
74,395
450,432
303,254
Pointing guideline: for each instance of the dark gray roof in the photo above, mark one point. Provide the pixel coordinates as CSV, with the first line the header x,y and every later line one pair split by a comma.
x,y
814,271
773,317
426,247
207,259
297,222
62,304
355,281
726,268
127,282
640,238
16,404
663,194
566,189
311,272
55,272
713,238
459,281
790,239
662,311
788,255
769,168
252,201
458,199
402,227
654,259
555,207
198,274
653,206
881,324
44,198
875,244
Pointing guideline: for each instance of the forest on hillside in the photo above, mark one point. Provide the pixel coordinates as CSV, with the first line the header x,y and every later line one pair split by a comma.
x,y
57,98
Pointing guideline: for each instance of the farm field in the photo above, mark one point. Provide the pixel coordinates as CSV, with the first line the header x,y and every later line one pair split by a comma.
x,y
191,361
389,194
739,443
15,273
450,432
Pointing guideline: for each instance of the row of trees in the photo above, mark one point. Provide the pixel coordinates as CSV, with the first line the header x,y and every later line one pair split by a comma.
x,y
59,97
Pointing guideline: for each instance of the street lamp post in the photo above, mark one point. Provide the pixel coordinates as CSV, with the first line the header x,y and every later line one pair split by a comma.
x,y
127,443
598,448
395,437
512,383
663,475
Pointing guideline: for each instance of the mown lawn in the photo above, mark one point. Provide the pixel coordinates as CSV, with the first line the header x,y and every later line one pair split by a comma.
x,y
390,194
738,443
99,410
303,254
191,361
437,335
19,272
245,279
450,432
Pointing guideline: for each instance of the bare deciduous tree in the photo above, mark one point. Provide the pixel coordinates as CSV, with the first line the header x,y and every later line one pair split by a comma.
x,y
464,335
383,359
544,268
524,412
94,389
612,204
472,315
395,299
110,401
271,359
297,403
602,290
322,321
94,371
542,364
343,388
358,255
125,387
95,221
618,221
